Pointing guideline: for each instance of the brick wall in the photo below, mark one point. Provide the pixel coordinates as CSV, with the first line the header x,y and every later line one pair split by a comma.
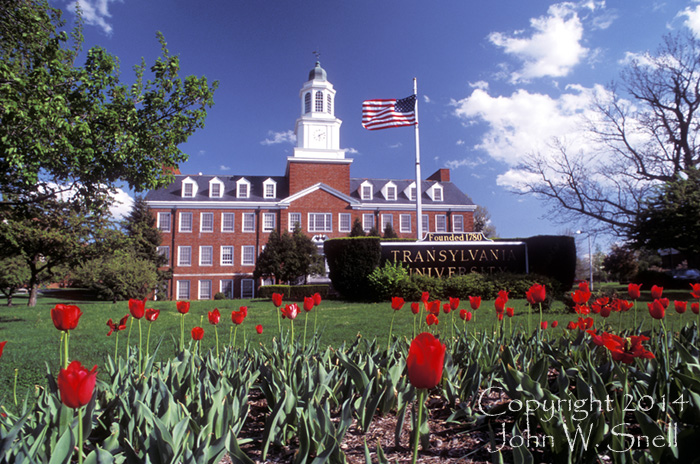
x,y
303,175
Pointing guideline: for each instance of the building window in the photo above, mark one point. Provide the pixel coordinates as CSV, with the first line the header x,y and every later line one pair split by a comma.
x,y
248,255
165,252
205,289
227,224
207,222
183,289
226,287
387,219
367,221
405,223
294,221
366,191
319,102
320,222
437,194
185,222
248,222
187,189
268,222
344,222
164,222
184,256
412,194
329,104
227,255
247,288
440,223
243,188
269,189
457,223
307,103
425,224
206,256
215,190
391,193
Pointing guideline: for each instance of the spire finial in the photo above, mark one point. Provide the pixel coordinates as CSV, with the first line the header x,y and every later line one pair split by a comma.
x,y
318,55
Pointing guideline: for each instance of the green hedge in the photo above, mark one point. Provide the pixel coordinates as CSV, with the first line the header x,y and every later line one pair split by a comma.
x,y
293,292
351,260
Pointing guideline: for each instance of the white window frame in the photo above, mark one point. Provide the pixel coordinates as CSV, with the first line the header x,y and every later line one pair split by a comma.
x,y
206,251
344,222
230,261
457,223
223,222
269,221
189,225
189,189
219,184
366,190
164,250
181,255
269,183
327,220
389,190
164,224
425,224
203,284
222,287
440,223
203,227
247,288
241,191
293,218
248,255
183,289
405,220
387,218
245,227
367,217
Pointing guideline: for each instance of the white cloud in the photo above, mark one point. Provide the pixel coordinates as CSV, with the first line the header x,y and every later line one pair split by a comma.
x,y
692,18
122,204
280,137
483,85
224,168
396,145
96,13
351,151
553,47
426,99
466,162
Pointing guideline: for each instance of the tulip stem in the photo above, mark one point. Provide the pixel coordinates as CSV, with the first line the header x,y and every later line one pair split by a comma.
x,y
182,332
391,327
80,435
416,431
148,339
216,334
116,346
14,389
65,347
306,320
140,346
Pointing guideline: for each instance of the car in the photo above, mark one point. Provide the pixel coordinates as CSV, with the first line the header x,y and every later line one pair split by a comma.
x,y
690,275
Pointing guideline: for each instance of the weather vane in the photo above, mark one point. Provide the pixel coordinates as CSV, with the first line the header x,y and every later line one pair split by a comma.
x,y
318,55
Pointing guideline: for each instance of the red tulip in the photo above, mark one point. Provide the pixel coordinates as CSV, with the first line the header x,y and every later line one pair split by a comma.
x,y
259,328
581,309
597,339
2,347
583,286
536,293
680,306
586,323
137,308
116,326
580,297
696,290
317,299
499,316
76,384
555,324
426,358
656,292
237,317
503,295
465,315
65,317
446,308
622,305
308,303
415,308
543,325
183,307
510,312
432,319
397,303
290,311
695,307
626,349
434,307
197,333
475,302
152,314
214,316
656,309
277,299
633,290
454,303
572,325
500,305
425,296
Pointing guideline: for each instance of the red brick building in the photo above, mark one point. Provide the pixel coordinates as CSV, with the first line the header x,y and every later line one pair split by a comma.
x,y
214,227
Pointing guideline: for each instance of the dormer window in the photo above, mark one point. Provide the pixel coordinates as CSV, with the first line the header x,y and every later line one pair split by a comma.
x,y
270,189
435,192
189,188
216,188
243,188
366,190
410,191
389,191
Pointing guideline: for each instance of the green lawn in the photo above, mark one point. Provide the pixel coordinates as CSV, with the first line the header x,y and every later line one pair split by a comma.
x,y
33,341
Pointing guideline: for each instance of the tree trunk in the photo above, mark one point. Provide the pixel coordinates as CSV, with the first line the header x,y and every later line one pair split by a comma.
x,y
33,293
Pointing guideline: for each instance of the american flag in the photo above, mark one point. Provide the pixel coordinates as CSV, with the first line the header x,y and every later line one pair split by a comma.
x,y
382,114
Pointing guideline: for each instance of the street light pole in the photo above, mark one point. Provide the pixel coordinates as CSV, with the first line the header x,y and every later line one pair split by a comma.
x,y
590,260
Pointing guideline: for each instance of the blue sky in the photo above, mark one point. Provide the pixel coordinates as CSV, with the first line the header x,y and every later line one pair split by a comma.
x,y
497,80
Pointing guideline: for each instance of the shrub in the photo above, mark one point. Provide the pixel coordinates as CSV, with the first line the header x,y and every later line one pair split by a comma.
x,y
470,285
350,261
384,281
219,296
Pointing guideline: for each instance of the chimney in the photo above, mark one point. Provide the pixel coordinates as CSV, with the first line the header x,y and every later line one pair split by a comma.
x,y
441,175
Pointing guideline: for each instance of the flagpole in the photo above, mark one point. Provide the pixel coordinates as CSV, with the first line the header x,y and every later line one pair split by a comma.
x,y
419,206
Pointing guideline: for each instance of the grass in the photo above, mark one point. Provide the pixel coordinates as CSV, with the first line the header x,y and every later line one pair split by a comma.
x,y
33,341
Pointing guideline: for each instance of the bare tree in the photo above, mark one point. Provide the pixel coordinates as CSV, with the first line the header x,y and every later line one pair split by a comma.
x,y
644,133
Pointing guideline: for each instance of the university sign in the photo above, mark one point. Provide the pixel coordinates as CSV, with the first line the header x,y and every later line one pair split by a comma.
x,y
446,258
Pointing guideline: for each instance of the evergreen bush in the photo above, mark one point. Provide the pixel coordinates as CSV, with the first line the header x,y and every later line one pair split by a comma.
x,y
351,260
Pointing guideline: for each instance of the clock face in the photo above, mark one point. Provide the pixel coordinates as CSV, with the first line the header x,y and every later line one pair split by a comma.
x,y
320,134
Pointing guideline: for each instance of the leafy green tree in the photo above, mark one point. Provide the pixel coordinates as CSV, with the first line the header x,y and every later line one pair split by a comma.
x,y
389,231
79,129
621,263
357,230
119,276
14,274
287,257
